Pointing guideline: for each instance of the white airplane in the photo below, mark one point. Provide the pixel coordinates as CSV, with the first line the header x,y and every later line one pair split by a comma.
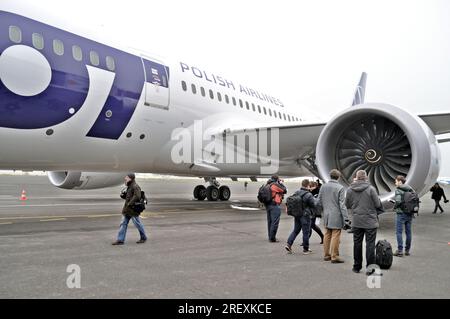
x,y
73,106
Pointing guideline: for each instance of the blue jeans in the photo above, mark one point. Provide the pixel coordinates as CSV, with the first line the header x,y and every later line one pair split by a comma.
x,y
273,220
301,224
124,225
404,219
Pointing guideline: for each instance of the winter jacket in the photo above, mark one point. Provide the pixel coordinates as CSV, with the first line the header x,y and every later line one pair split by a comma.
x,y
363,200
437,193
278,191
133,196
399,193
332,201
309,202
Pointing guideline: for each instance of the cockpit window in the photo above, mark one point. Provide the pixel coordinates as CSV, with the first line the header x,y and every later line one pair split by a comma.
x,y
15,34
38,41
58,47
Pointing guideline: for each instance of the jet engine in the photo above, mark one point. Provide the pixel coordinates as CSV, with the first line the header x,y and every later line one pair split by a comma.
x,y
383,140
85,180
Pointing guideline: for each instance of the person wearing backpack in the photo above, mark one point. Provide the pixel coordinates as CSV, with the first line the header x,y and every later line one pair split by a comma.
x,y
302,222
335,216
404,217
437,192
363,200
271,195
132,196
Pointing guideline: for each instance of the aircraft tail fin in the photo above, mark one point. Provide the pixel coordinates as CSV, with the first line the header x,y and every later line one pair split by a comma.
x,y
360,92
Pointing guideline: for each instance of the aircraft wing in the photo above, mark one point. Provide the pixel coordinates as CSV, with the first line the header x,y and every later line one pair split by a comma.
x,y
439,123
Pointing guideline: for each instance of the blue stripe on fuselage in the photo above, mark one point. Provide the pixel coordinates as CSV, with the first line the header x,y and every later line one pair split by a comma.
x,y
70,82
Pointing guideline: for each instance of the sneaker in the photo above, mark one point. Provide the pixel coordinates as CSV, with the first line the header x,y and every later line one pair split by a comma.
x,y
337,261
142,241
407,253
326,258
307,252
117,243
398,253
356,270
274,240
288,248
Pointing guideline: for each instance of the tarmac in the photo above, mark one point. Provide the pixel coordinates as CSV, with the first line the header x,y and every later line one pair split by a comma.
x,y
195,249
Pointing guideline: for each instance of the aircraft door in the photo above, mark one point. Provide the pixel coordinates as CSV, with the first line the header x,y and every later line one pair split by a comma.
x,y
157,91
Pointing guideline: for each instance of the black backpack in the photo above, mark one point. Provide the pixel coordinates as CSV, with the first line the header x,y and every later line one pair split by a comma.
x,y
410,204
265,194
139,207
384,255
294,204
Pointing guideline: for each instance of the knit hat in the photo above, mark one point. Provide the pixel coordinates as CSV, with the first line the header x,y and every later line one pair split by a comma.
x,y
132,176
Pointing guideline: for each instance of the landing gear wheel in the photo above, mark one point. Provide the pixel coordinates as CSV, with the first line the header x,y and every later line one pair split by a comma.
x,y
200,192
224,193
212,193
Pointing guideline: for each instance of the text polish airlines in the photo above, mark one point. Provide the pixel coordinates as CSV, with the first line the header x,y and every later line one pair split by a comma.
x,y
87,112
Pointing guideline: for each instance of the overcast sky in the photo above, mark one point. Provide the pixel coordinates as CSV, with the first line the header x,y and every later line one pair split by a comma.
x,y
309,53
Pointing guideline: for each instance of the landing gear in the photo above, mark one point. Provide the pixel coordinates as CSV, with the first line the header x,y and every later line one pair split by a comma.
x,y
200,192
213,193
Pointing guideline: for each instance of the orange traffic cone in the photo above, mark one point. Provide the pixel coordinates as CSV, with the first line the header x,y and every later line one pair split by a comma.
x,y
23,197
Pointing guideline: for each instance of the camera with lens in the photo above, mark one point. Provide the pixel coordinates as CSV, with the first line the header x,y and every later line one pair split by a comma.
x,y
347,225
123,193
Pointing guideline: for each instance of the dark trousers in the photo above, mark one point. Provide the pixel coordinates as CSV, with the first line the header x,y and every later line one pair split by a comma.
x,y
358,236
437,205
301,224
273,220
316,229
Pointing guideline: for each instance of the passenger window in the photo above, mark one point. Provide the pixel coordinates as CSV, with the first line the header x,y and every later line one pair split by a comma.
x,y
184,86
247,105
289,118
253,107
275,114
227,99
58,47
95,59
110,63
38,41
219,97
234,101
194,89
202,89
259,109
15,34
284,116
241,104
270,112
279,114
265,111
77,53
211,94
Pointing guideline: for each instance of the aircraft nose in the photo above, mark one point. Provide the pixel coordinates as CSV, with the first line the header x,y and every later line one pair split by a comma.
x,y
24,70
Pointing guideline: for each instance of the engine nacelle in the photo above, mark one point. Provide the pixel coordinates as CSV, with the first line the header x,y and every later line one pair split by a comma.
x,y
383,140
85,180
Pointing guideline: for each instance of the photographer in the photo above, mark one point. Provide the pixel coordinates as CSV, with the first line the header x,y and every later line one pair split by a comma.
x,y
132,195
363,200
437,194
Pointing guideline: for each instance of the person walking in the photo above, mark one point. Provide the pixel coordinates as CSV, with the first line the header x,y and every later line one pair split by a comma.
x,y
303,222
131,196
273,209
316,212
437,194
335,216
363,200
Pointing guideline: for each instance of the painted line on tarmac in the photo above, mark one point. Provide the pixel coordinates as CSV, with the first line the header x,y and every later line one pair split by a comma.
x,y
6,223
52,220
55,205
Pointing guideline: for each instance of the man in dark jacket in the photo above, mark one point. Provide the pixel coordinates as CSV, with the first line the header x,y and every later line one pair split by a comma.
x,y
273,208
403,218
133,195
437,194
303,223
363,200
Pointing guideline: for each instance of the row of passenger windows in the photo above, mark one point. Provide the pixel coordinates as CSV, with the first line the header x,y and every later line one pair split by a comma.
x,y
15,35
243,104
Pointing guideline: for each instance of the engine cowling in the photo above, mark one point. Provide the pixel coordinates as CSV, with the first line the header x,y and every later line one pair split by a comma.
x,y
383,140
85,180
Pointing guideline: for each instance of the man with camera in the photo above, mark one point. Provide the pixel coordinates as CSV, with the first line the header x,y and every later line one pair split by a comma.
x,y
335,216
437,192
132,196
363,200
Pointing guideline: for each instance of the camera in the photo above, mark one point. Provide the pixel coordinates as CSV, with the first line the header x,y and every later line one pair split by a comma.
x,y
347,225
123,193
